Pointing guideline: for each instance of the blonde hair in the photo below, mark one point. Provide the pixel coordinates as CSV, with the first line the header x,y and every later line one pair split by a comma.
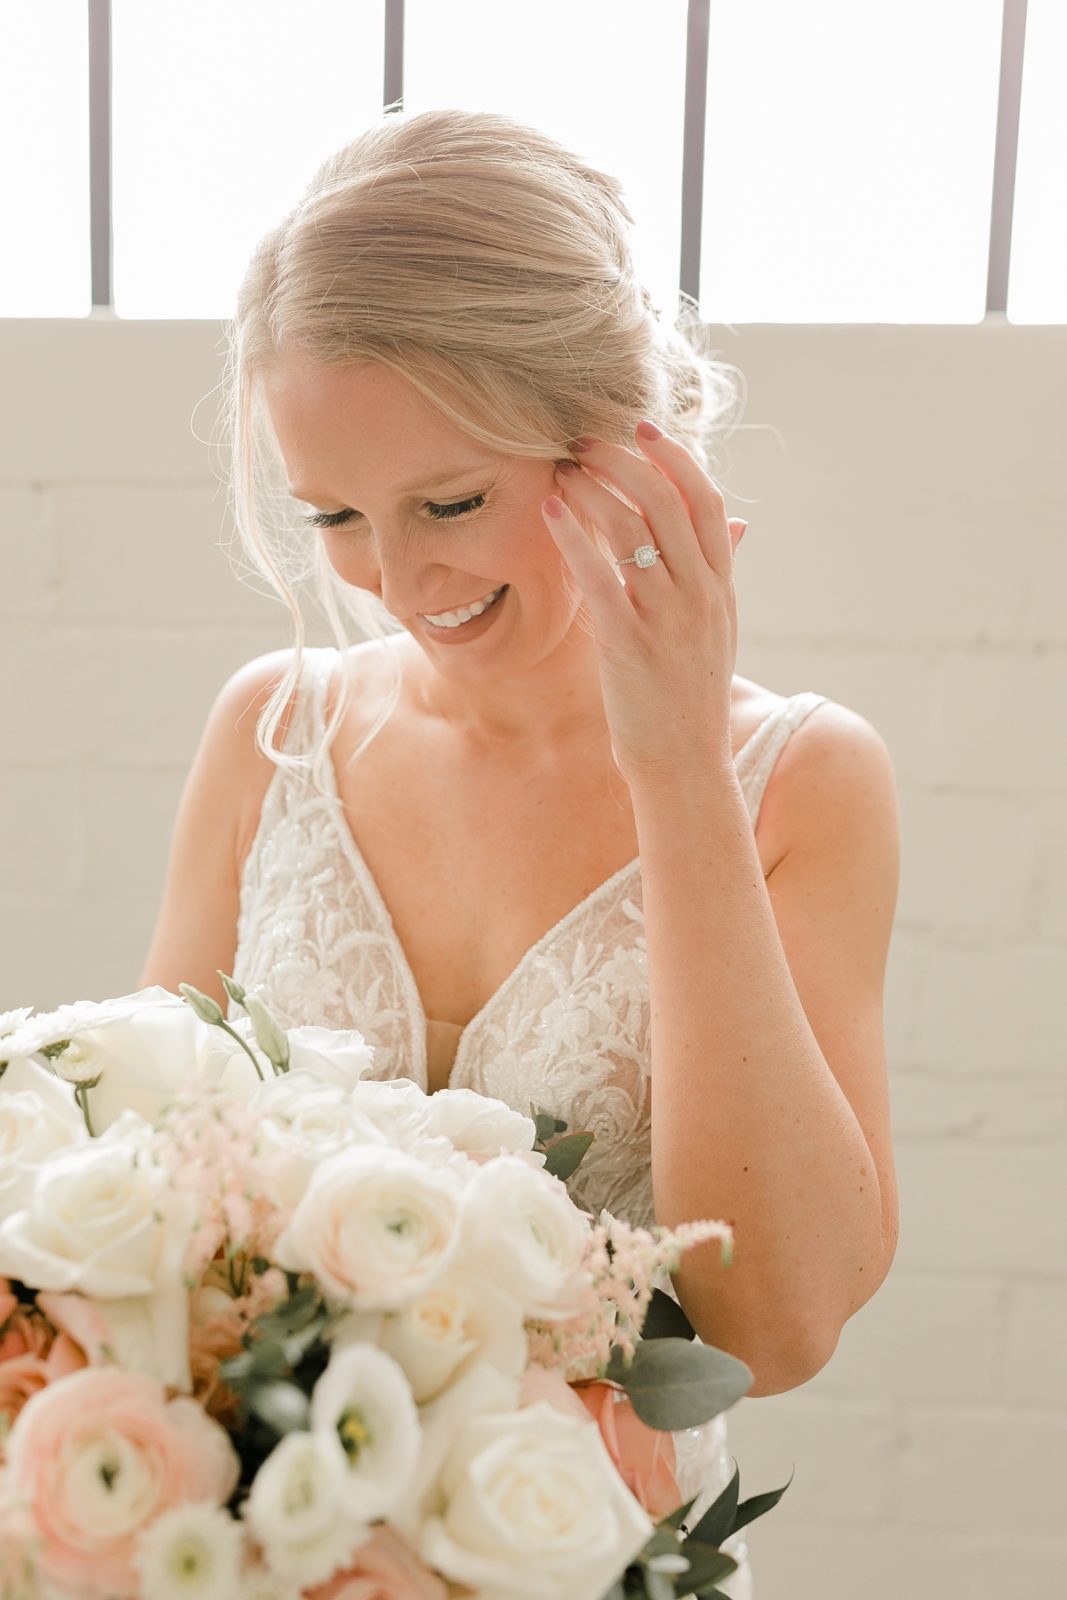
x,y
492,268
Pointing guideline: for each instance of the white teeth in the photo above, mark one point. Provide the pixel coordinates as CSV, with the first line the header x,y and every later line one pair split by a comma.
x,y
453,619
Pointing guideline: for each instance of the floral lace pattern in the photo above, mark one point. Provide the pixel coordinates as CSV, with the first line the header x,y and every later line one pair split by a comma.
x,y
568,1029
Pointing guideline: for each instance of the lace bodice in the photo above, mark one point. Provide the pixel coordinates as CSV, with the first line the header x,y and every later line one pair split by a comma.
x,y
568,1029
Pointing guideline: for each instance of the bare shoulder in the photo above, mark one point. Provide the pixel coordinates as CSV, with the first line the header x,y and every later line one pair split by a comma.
x,y
834,776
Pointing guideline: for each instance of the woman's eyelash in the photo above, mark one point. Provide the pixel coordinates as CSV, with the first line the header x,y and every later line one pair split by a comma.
x,y
440,513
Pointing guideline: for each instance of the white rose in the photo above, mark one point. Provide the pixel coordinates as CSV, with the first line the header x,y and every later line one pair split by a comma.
x,y
304,1123
296,1509
34,1123
364,1400
527,1235
376,1227
534,1509
103,1220
461,1320
481,1125
337,1056
479,1390
144,1049
400,1108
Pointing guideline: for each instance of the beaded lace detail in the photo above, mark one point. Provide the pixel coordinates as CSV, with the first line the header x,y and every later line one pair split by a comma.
x,y
568,1029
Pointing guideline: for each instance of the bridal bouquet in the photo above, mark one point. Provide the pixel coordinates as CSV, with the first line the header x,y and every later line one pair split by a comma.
x,y
270,1328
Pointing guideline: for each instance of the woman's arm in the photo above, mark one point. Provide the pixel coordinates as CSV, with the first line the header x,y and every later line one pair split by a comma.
x,y
770,1105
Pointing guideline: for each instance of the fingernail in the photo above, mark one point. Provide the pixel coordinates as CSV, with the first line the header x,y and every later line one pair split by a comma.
x,y
578,445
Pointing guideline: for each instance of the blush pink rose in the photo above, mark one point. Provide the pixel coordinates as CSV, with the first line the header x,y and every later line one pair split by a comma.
x,y
385,1569
644,1457
99,1455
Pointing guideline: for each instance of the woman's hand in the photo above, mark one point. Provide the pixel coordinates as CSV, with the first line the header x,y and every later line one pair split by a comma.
x,y
667,641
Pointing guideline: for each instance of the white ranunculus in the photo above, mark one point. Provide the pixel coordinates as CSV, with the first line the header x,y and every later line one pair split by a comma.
x,y
364,1400
400,1107
304,1123
481,1125
527,1236
102,1219
34,1124
478,1390
534,1509
461,1320
376,1227
296,1509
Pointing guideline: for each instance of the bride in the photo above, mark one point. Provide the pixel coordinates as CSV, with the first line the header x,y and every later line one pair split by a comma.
x,y
534,836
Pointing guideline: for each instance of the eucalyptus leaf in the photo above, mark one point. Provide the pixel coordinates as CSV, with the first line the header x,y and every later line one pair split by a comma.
x,y
546,1124
298,1344
291,1315
563,1157
665,1319
676,1384
263,1361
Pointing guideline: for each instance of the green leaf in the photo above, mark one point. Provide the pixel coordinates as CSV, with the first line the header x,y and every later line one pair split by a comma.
x,y
725,1517
665,1319
301,1307
265,1360
675,1384
546,1124
298,1344
674,1519
706,1566
565,1155
281,1405
760,1504
719,1520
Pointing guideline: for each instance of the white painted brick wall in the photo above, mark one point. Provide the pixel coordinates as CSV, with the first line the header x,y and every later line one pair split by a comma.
x,y
906,555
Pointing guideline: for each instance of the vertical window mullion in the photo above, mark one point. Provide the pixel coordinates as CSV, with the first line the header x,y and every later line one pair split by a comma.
x,y
99,22
393,71
1012,43
693,136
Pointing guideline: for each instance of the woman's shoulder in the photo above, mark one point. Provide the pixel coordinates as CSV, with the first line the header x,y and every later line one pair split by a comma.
x,y
831,757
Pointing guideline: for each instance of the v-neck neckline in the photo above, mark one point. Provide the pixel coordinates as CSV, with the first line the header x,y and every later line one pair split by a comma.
x,y
376,899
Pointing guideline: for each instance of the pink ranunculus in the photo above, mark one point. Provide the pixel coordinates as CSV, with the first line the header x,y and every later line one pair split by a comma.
x,y
97,1456
384,1569
644,1457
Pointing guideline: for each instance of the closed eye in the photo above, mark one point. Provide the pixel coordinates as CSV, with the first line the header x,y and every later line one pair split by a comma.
x,y
439,513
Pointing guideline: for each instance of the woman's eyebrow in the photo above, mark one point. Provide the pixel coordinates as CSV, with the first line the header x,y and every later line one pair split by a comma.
x,y
309,496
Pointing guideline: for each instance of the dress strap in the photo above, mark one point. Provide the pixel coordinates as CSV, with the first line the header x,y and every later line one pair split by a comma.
x,y
768,742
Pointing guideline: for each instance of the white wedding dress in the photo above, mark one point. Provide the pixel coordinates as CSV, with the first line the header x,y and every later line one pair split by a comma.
x,y
567,1030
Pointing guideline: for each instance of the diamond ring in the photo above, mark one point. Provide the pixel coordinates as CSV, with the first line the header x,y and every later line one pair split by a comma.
x,y
644,556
